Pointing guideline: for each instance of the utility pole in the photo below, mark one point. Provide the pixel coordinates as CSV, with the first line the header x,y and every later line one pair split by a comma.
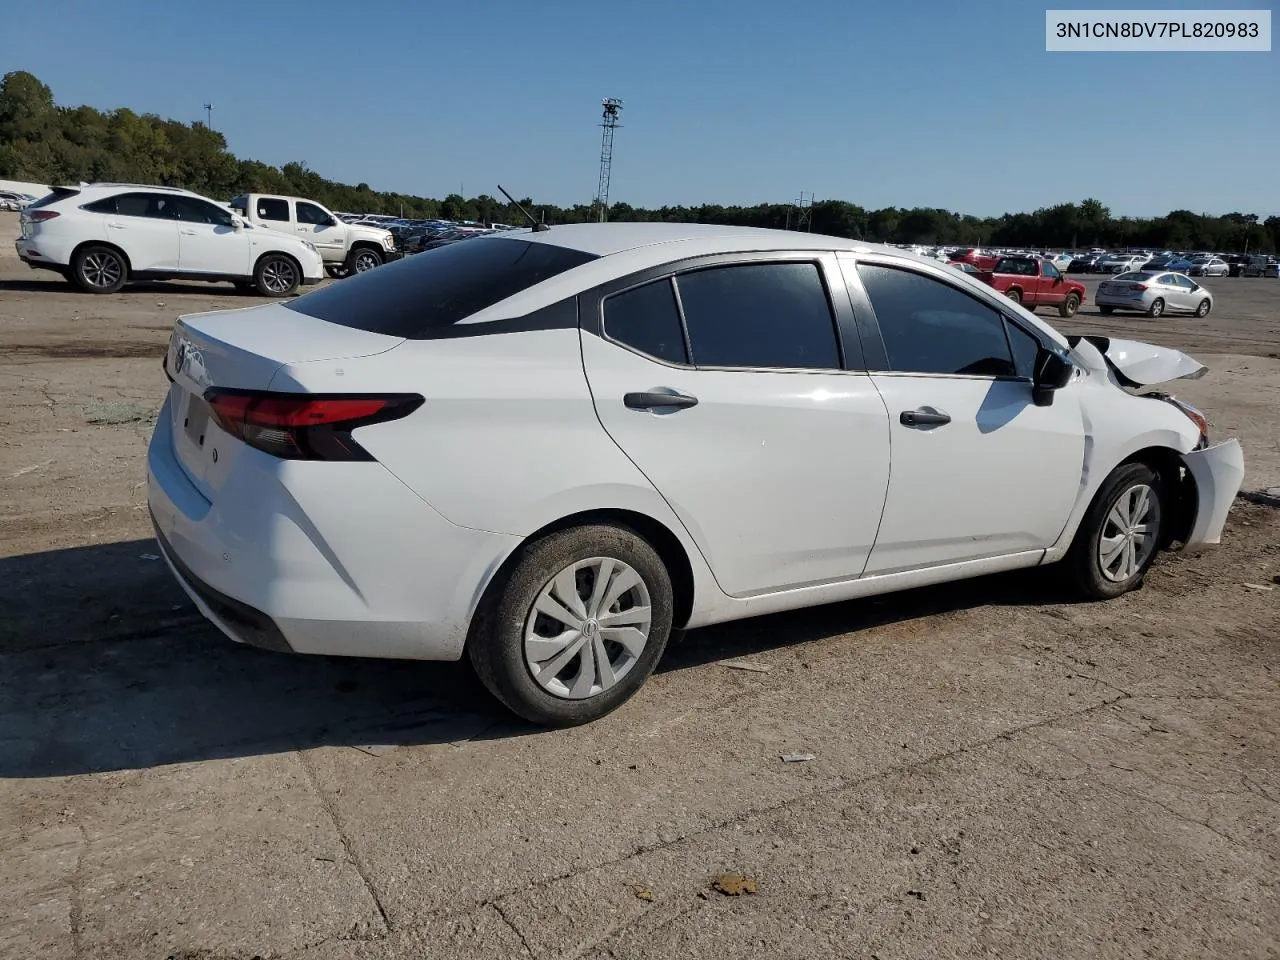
x,y
208,112
612,109
803,210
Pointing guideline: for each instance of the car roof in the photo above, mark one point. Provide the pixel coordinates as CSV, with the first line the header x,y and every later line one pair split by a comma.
x,y
606,239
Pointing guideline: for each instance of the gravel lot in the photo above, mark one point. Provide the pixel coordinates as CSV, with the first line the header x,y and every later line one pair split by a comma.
x,y
997,772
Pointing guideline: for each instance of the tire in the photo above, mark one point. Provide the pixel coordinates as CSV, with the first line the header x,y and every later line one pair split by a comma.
x,y
1014,295
1085,559
363,259
1107,310
1069,306
1202,310
96,268
505,663
277,275
1157,308
337,271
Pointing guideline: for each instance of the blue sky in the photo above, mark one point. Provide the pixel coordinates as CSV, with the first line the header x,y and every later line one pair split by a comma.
x,y
950,104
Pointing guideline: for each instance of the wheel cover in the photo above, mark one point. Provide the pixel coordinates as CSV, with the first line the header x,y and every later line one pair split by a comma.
x,y
365,261
588,628
102,269
1129,533
1157,308
278,276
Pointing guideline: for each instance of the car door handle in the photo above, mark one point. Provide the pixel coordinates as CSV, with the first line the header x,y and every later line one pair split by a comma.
x,y
116,226
188,233
657,398
923,418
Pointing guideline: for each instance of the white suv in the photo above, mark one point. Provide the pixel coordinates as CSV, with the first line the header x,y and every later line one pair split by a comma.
x,y
103,235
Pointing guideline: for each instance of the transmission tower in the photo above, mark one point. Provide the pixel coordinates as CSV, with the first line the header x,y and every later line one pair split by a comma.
x,y
208,109
801,213
609,123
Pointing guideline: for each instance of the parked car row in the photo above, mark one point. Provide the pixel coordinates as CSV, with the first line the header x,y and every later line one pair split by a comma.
x,y
12,200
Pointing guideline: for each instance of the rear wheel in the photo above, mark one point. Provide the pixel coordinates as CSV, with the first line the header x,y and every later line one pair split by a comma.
x,y
1014,295
1157,307
1118,537
1203,309
337,270
99,269
576,628
277,275
1069,306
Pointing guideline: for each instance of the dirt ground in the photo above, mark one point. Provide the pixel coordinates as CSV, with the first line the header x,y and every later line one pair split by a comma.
x,y
998,772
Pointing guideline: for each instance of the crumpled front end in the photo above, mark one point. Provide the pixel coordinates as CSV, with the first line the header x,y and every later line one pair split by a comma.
x,y
1218,472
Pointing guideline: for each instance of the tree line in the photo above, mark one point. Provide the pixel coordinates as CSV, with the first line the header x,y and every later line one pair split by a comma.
x,y
46,143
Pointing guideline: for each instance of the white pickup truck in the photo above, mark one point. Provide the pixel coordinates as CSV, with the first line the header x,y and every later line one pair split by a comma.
x,y
345,247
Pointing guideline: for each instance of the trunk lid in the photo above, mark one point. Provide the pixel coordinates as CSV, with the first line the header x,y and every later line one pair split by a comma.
x,y
242,349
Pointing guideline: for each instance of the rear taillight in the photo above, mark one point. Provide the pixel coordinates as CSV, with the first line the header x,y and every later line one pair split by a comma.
x,y
305,426
39,215
1137,286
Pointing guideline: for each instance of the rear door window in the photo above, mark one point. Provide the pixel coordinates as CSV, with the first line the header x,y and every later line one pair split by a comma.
x,y
760,315
273,208
419,296
647,320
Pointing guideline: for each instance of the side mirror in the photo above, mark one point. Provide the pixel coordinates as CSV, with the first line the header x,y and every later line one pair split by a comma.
x,y
237,224
333,222
1053,372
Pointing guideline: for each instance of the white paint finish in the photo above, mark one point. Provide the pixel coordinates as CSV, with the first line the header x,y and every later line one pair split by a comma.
x,y
333,241
1147,364
779,476
343,556
210,248
1218,472
1000,478
156,244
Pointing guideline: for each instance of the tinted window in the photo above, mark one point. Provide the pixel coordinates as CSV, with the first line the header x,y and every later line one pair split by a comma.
x,y
105,205
1050,271
310,213
191,210
269,209
931,327
1017,267
1167,280
413,297
144,205
759,315
647,319
1025,350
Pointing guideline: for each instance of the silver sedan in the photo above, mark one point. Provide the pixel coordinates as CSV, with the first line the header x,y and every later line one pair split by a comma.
x,y
1153,293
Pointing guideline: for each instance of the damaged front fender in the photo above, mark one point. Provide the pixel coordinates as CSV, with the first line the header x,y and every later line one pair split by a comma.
x,y
1218,472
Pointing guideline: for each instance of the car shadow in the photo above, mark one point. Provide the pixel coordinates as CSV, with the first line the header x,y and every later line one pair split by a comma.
x,y
55,284
106,665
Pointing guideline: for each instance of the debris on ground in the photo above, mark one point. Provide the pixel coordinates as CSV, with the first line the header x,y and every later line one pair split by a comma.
x,y
1259,586
798,757
918,894
748,665
643,893
733,884
115,414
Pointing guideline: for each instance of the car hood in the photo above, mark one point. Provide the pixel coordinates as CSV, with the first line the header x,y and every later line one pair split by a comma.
x,y
1137,364
369,233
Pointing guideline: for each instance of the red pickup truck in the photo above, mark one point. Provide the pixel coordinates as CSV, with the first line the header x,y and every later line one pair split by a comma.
x,y
1035,283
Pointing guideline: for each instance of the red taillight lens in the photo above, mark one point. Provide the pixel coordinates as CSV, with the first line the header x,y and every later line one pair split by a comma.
x,y
301,426
1137,286
39,215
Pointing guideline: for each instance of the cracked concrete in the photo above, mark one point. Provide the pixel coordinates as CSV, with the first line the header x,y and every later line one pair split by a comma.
x,y
998,772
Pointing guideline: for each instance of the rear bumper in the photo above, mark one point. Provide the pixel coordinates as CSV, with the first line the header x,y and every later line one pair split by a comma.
x,y
35,258
1218,472
320,557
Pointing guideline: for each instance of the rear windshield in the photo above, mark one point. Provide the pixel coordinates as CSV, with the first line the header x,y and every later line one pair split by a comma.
x,y
425,291
59,193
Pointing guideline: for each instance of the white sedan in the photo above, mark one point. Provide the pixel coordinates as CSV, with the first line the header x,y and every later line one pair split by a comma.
x,y
548,449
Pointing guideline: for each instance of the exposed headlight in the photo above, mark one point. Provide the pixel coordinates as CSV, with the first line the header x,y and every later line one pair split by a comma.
x,y
1195,416
388,241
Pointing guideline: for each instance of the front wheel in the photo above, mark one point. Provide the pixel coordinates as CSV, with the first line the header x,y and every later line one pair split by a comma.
x,y
1156,309
576,628
363,259
277,276
99,269
1203,309
1069,306
1117,539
